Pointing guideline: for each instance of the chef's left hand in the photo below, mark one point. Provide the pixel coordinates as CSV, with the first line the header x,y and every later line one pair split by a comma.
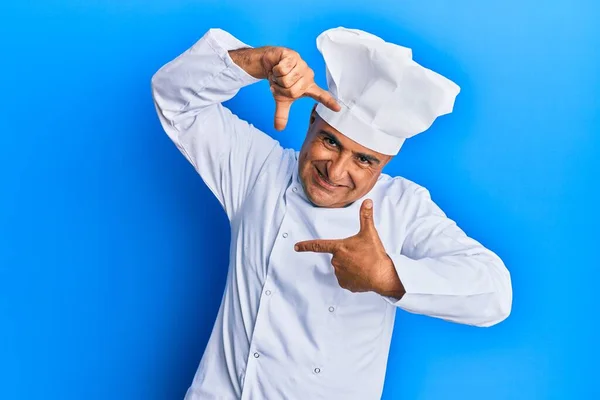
x,y
360,262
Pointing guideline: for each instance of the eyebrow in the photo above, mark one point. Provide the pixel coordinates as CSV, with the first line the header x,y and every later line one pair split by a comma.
x,y
337,142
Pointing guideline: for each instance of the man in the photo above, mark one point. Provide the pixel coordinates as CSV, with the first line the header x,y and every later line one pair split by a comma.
x,y
324,247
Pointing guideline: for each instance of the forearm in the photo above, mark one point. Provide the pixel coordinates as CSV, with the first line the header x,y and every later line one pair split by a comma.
x,y
469,289
227,152
202,76
445,273
251,60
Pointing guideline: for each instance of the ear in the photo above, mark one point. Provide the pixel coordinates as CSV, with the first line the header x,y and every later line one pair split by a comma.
x,y
313,115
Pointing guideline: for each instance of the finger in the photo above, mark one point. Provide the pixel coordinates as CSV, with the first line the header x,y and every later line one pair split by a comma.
x,y
317,246
366,216
285,66
272,57
288,80
284,97
294,92
323,96
282,112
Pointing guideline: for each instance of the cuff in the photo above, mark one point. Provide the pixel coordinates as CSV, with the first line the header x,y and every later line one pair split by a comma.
x,y
414,277
221,42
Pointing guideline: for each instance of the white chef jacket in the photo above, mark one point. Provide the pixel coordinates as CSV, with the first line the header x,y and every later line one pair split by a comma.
x,y
285,328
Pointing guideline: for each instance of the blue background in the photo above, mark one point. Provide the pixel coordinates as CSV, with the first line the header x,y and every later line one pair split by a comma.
x,y
113,252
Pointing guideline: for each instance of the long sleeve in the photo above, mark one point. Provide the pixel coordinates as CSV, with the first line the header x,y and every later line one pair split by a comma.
x,y
447,274
226,151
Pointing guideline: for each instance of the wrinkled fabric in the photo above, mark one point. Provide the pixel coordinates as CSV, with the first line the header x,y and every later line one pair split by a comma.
x,y
384,95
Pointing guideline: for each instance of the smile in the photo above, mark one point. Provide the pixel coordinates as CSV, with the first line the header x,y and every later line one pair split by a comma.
x,y
324,182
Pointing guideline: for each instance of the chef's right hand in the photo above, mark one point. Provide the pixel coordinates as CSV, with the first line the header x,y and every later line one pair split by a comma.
x,y
291,78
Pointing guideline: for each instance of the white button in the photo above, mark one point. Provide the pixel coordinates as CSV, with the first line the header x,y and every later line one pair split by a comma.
x,y
331,309
295,189
285,234
256,355
317,370
268,292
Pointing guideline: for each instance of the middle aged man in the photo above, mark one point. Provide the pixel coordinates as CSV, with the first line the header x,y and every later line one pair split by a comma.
x,y
324,246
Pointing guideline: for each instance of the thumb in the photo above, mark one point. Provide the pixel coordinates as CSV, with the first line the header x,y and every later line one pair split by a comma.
x,y
366,216
282,111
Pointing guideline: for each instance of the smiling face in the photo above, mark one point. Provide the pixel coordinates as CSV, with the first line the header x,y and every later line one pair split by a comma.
x,y
334,170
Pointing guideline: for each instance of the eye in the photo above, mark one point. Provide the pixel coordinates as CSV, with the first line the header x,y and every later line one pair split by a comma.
x,y
364,160
330,142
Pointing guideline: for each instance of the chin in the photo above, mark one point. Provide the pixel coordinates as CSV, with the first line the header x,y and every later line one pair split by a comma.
x,y
322,199
317,198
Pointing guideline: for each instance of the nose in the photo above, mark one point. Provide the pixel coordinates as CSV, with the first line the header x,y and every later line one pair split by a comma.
x,y
336,170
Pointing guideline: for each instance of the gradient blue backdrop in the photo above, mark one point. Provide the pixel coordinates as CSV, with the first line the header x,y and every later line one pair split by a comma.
x,y
113,253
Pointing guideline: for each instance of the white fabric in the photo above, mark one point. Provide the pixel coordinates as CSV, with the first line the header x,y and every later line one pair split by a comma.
x,y
285,329
385,96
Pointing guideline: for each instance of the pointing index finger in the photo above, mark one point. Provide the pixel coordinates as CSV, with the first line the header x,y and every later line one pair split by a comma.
x,y
323,96
317,246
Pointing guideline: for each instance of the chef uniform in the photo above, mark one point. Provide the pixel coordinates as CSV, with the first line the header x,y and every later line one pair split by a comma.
x,y
285,328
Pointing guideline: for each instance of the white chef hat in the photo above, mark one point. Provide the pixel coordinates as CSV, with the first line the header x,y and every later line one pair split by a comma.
x,y
385,96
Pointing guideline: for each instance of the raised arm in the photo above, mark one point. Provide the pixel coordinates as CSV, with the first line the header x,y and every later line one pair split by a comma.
x,y
226,151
